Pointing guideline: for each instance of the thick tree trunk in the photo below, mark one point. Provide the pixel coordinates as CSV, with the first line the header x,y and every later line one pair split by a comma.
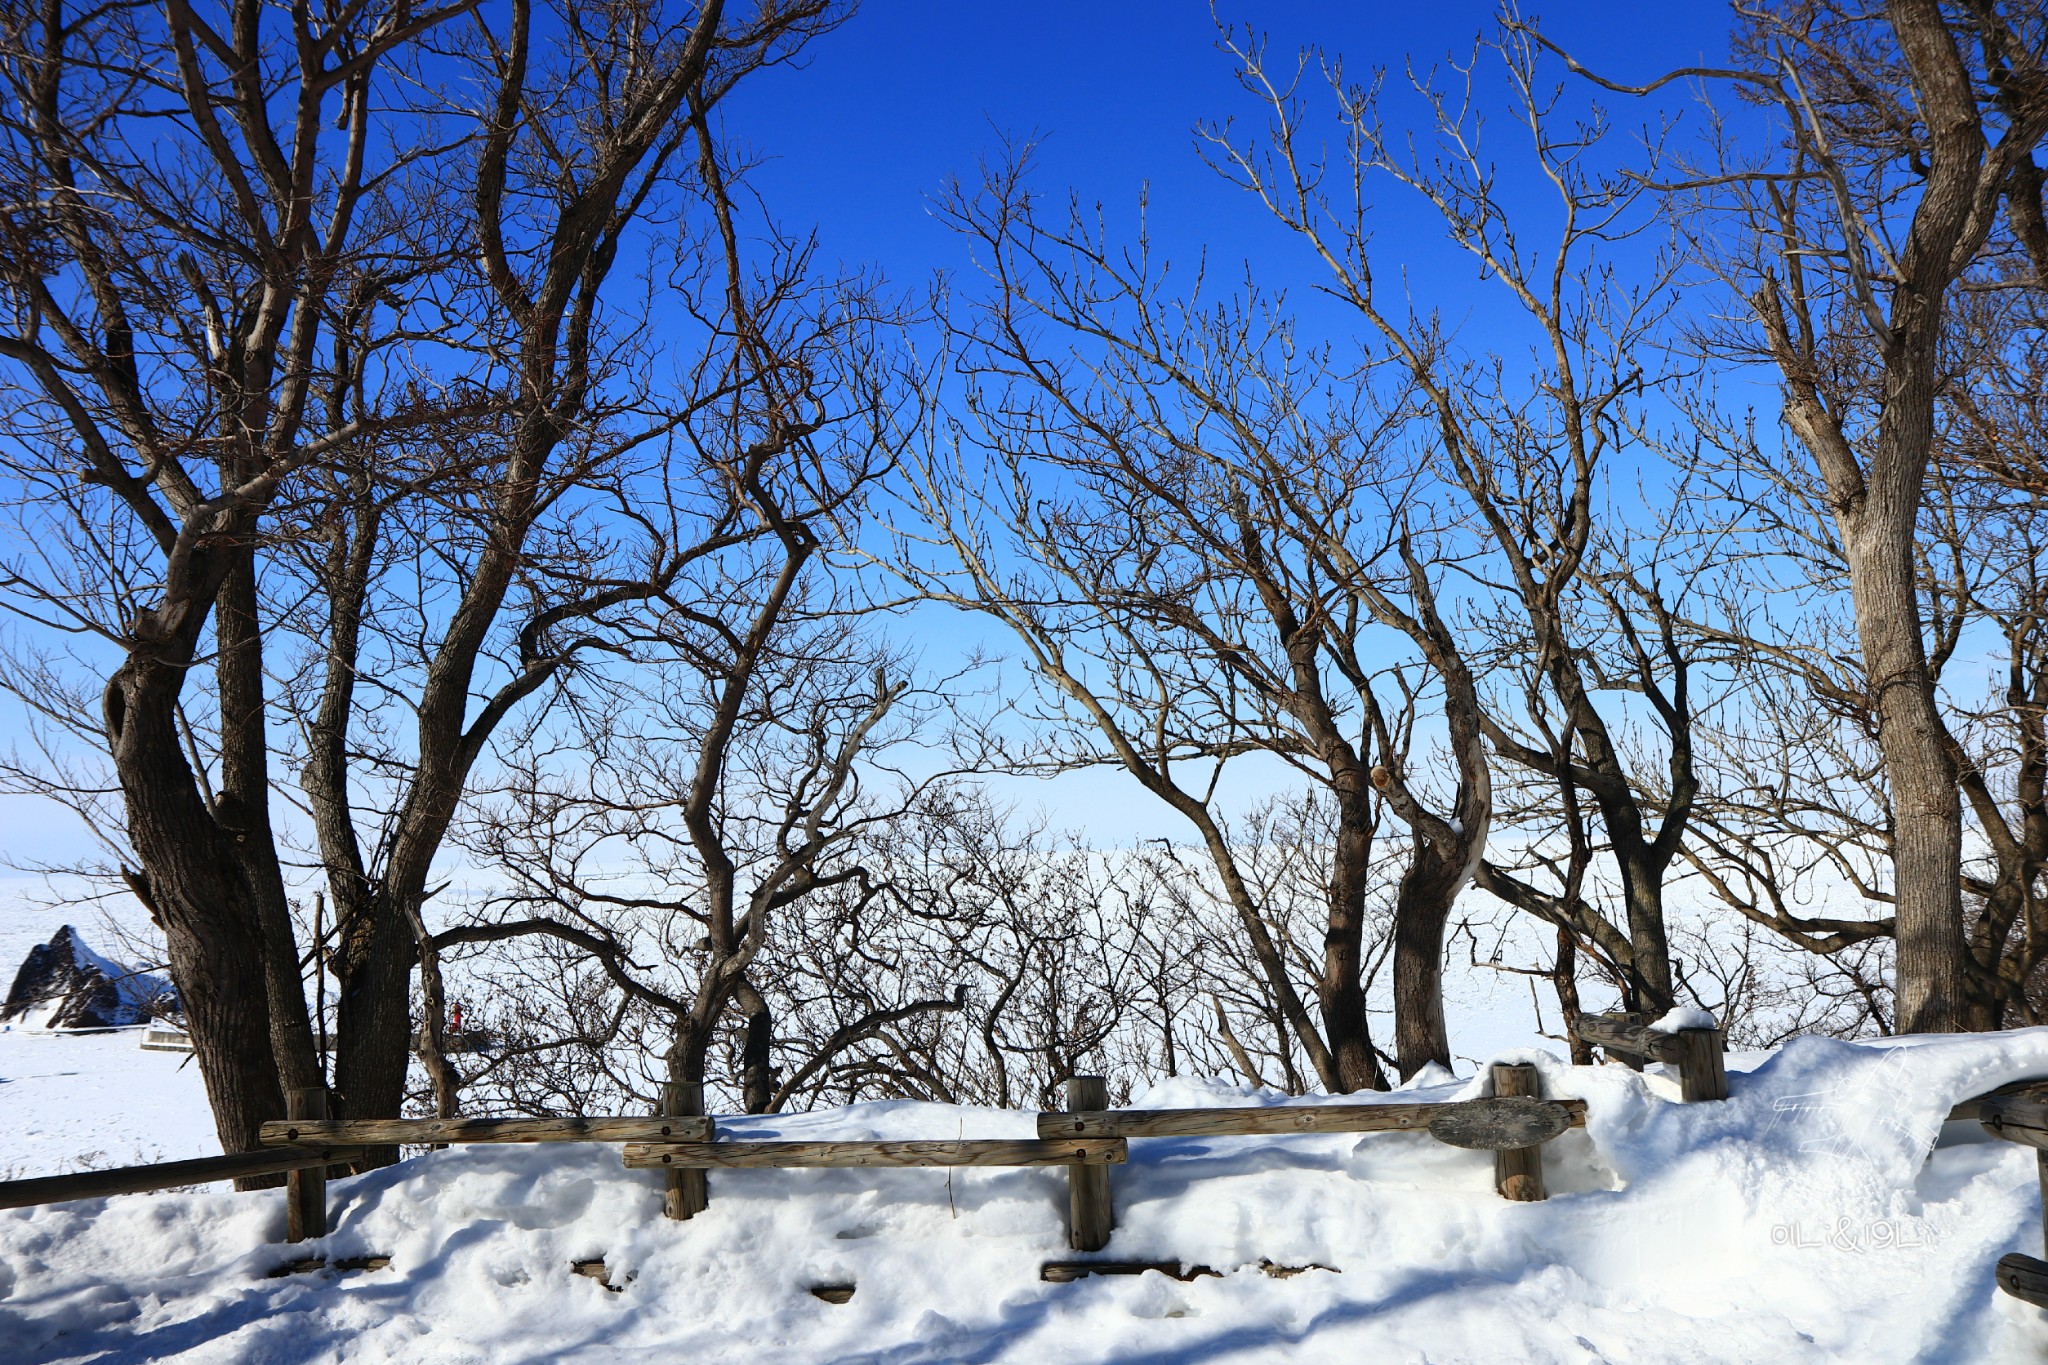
x,y
1927,819
1649,963
1421,910
688,1050
193,884
1341,990
242,810
757,1068
373,1016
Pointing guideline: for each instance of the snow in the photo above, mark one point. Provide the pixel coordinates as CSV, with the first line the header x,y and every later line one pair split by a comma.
x,y
81,1101
1822,1213
84,1100
1683,1017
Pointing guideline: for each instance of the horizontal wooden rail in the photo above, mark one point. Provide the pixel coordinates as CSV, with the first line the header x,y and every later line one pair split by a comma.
x,y
1697,1053
1974,1109
386,1132
59,1189
1620,1034
2020,1117
968,1152
2024,1277
2019,1113
1288,1118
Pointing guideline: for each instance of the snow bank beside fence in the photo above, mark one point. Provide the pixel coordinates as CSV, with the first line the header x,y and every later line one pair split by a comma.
x,y
1822,1213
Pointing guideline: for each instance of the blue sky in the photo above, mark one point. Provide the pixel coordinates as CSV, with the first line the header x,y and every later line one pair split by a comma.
x,y
913,91
910,92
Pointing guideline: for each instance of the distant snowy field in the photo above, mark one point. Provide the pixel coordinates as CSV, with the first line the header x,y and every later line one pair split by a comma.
x,y
1821,1214
81,1101
78,1101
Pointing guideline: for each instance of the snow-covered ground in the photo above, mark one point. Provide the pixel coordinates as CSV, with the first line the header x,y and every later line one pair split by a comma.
x,y
80,1101
1821,1214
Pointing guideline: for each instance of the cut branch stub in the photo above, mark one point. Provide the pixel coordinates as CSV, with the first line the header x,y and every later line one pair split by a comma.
x,y
2024,1278
1500,1124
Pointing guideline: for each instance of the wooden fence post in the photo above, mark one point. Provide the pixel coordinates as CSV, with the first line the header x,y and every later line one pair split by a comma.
x,y
1518,1171
689,1191
1702,1072
1090,1215
305,1192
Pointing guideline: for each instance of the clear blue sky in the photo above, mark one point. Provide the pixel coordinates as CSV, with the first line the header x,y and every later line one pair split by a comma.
x,y
912,91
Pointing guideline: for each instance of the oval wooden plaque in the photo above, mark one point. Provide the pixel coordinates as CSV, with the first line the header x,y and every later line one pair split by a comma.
x,y
1499,1124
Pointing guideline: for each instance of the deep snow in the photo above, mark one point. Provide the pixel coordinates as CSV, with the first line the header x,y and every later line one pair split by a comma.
x,y
1802,1220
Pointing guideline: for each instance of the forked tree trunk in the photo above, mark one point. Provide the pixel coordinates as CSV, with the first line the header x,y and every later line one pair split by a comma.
x,y
194,888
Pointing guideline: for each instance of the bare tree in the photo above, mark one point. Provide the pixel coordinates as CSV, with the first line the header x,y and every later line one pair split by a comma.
x,y
172,259
1204,557
1900,138
226,305
1527,454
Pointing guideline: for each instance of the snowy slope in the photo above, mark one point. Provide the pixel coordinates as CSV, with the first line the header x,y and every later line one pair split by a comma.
x,y
1803,1220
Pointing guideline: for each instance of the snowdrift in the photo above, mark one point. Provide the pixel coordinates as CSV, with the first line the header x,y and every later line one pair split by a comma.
x,y
1822,1213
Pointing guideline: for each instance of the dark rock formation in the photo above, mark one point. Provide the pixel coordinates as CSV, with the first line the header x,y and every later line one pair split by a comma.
x,y
65,985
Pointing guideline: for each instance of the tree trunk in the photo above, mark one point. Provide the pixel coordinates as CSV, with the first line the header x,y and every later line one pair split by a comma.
x,y
757,1070
193,885
1341,991
1927,819
1565,977
373,1015
243,812
1421,910
433,1033
1649,964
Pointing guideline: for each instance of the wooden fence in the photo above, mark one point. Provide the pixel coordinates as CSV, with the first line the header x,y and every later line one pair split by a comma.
x,y
1697,1054
2022,1116
1088,1139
